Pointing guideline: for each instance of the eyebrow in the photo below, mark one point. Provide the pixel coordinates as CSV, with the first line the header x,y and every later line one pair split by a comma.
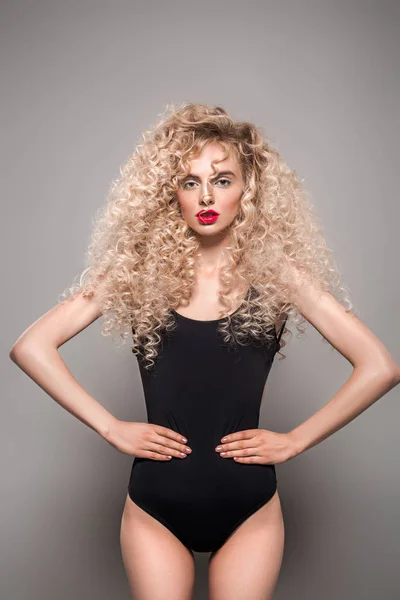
x,y
192,176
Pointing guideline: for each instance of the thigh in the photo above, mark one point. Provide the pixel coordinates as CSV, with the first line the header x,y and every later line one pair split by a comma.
x,y
157,564
248,563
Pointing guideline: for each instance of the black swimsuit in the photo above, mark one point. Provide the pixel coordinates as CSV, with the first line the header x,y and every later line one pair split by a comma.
x,y
203,390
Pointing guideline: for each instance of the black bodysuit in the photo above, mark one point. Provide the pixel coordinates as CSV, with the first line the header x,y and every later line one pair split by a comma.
x,y
204,390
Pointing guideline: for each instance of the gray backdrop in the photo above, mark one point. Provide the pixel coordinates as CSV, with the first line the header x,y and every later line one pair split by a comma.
x,y
80,82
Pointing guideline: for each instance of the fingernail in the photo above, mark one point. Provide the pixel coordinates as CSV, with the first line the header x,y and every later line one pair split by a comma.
x,y
184,440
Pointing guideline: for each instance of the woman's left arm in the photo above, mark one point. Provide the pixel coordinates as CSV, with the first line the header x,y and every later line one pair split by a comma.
x,y
374,370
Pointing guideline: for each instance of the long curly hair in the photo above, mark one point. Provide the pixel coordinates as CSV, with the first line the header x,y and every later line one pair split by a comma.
x,y
144,254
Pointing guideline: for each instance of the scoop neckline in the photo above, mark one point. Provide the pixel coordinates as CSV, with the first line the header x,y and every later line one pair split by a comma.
x,y
205,320
213,320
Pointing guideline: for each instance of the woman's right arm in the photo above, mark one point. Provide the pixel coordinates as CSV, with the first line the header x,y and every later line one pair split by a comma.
x,y
36,353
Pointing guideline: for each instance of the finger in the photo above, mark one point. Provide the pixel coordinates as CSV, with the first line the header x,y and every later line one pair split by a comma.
x,y
250,459
248,443
240,435
156,455
168,443
169,433
160,448
241,452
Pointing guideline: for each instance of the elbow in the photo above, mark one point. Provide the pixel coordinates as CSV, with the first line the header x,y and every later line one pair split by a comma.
x,y
27,348
397,375
391,374
16,353
388,372
19,351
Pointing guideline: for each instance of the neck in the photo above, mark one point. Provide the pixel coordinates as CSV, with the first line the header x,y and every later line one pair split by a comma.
x,y
211,254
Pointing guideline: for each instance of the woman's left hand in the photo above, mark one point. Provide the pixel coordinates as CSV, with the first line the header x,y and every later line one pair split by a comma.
x,y
257,446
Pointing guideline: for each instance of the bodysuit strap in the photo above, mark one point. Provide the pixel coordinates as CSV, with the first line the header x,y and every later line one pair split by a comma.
x,y
281,330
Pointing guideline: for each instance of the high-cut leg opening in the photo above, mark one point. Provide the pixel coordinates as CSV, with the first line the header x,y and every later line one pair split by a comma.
x,y
246,516
160,519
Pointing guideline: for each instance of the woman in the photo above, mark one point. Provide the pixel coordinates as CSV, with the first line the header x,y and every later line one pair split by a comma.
x,y
206,247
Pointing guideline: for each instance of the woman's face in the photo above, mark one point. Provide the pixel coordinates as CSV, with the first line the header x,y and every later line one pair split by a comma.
x,y
204,190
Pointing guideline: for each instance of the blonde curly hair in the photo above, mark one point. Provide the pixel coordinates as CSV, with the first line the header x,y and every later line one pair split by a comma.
x,y
142,255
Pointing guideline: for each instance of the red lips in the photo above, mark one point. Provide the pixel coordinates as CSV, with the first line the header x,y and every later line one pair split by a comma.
x,y
204,212
207,217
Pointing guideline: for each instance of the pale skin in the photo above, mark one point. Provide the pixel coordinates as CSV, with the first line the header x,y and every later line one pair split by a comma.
x,y
157,564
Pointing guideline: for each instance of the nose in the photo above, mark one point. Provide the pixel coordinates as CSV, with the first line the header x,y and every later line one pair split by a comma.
x,y
206,197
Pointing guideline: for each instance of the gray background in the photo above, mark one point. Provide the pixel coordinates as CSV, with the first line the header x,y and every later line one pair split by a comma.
x,y
80,82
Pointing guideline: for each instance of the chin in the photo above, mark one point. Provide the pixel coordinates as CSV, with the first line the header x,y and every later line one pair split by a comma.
x,y
210,230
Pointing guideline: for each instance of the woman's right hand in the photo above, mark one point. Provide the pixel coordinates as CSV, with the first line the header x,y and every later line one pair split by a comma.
x,y
146,440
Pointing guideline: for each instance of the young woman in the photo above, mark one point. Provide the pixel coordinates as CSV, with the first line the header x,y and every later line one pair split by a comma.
x,y
205,249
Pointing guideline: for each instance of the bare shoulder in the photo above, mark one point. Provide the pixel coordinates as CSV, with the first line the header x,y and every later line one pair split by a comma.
x,y
62,322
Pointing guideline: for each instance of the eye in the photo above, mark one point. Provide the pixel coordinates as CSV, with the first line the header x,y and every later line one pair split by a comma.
x,y
228,182
185,185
